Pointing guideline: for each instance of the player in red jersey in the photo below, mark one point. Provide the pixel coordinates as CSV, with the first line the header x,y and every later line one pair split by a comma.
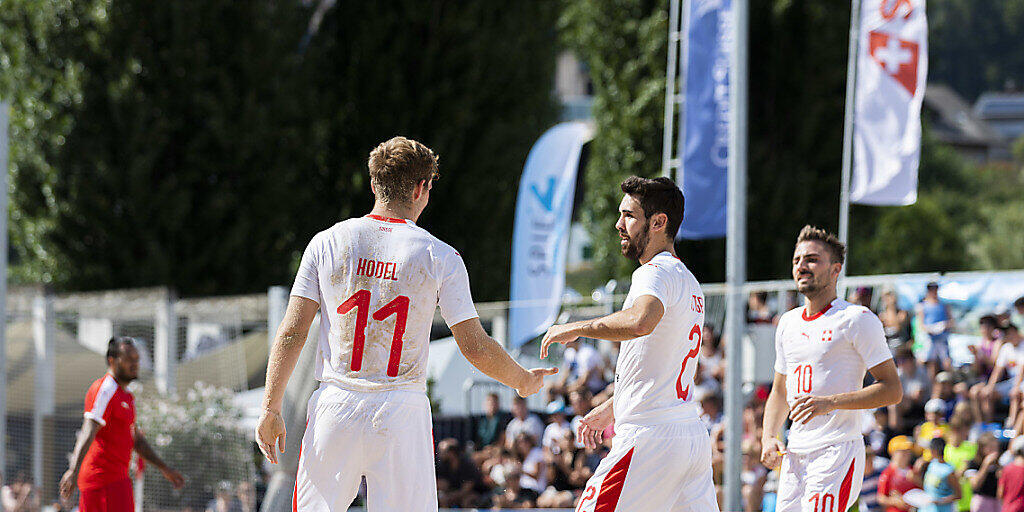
x,y
99,463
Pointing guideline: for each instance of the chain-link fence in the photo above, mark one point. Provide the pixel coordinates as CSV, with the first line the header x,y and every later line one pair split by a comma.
x,y
204,362
196,355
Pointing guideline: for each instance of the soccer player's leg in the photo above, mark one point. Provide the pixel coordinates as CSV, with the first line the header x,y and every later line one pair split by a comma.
x,y
790,495
834,478
400,471
604,488
697,488
331,458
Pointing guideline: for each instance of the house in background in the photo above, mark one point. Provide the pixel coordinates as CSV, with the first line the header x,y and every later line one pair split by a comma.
x,y
951,120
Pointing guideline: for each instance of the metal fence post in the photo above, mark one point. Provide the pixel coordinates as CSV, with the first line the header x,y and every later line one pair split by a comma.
x,y
165,343
43,338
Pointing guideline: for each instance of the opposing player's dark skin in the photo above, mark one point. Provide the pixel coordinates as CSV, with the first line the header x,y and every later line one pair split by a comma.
x,y
125,369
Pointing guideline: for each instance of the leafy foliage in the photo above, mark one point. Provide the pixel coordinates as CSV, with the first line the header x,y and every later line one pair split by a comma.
x,y
973,45
205,142
183,429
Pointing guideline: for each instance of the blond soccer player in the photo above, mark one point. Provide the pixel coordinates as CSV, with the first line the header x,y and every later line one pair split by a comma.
x,y
822,352
376,281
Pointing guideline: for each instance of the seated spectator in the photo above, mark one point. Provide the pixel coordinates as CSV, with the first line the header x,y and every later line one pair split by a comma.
x,y
1017,314
753,476
987,349
19,495
916,389
523,421
558,466
458,480
942,388
1008,365
863,296
935,425
558,424
490,428
1011,482
939,480
246,494
873,467
959,451
983,475
877,431
224,499
584,366
937,320
711,409
531,456
758,311
897,478
513,495
895,321
712,359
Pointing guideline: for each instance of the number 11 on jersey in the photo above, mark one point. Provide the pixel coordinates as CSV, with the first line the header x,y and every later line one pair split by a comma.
x,y
360,301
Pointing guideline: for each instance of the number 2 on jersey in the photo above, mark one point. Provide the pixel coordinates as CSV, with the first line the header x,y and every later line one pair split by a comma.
x,y
692,354
399,306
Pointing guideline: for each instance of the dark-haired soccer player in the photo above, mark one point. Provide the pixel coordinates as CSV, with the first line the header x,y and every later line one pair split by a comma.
x,y
661,452
99,463
821,353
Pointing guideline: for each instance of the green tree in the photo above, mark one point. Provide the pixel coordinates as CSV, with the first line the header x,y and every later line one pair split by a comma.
x,y
211,139
41,81
974,44
623,43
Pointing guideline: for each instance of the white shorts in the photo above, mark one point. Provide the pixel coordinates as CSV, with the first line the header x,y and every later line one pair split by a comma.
x,y
660,468
383,436
1005,387
828,479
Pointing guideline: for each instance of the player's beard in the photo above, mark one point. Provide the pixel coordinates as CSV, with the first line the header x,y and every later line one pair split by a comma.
x,y
635,246
810,288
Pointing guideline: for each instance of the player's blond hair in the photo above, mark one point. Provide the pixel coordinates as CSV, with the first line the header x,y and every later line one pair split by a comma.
x,y
815,234
399,164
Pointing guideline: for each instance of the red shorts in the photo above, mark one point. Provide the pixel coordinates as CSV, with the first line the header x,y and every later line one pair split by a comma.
x,y
115,497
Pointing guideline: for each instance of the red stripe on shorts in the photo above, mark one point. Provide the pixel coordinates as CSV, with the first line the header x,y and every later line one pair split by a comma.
x,y
611,486
844,490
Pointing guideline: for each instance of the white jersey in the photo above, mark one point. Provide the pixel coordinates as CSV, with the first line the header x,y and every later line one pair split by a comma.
x,y
654,373
378,281
824,354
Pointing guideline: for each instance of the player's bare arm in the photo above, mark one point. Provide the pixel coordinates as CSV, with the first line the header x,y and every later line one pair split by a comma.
x,y
143,448
775,410
82,444
638,320
886,390
487,356
591,428
288,342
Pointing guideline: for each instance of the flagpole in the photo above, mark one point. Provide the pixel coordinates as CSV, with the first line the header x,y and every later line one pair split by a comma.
x,y
848,127
736,255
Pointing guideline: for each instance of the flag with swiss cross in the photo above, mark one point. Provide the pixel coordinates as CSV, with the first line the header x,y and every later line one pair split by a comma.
x,y
892,69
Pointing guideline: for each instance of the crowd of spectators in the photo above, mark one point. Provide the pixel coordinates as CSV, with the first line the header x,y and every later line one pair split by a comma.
x,y
954,435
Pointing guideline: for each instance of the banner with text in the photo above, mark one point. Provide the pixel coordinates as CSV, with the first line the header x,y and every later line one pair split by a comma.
x,y
892,68
705,130
541,233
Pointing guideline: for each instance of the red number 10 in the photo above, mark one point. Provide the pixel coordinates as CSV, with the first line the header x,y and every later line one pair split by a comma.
x,y
804,374
399,307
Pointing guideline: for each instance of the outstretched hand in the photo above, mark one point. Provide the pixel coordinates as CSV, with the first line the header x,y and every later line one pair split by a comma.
x,y
534,381
556,334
